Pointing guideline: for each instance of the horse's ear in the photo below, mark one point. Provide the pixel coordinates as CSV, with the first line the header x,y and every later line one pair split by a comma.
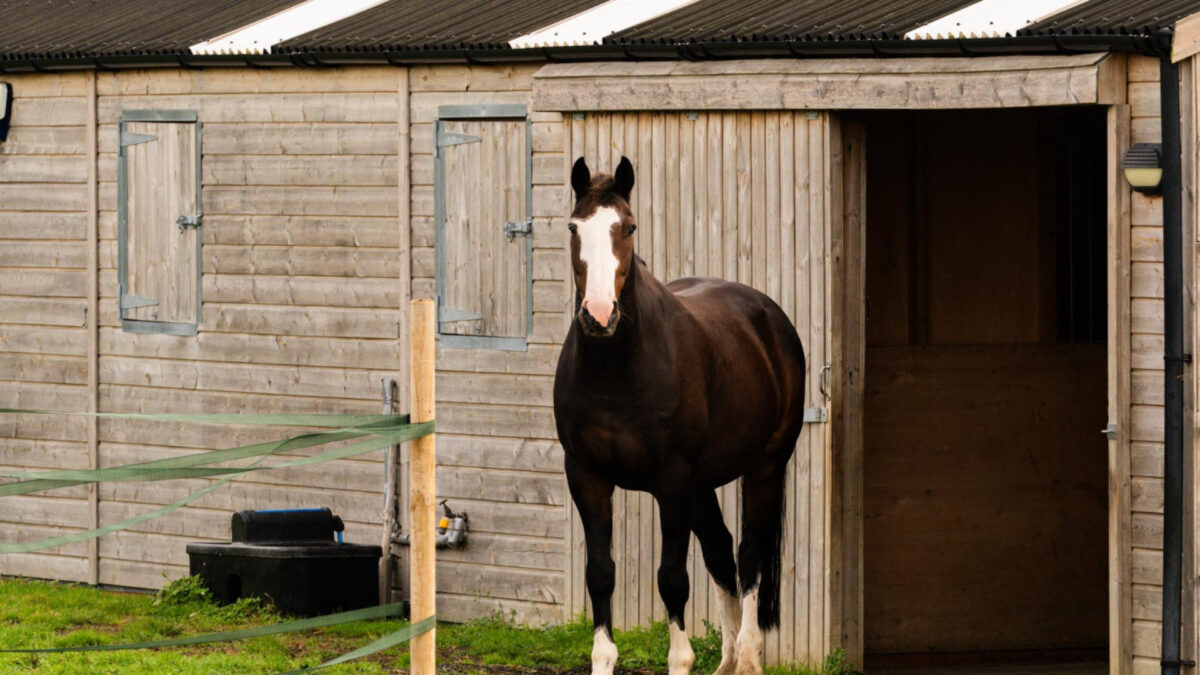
x,y
581,178
623,178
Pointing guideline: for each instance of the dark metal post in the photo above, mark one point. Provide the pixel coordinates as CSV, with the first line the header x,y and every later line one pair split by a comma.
x,y
1174,356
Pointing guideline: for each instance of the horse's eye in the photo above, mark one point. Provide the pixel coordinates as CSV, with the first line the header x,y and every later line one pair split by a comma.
x,y
629,230
573,228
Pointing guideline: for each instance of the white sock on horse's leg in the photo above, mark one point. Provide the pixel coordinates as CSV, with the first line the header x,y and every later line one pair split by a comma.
x,y
731,616
750,638
604,653
681,656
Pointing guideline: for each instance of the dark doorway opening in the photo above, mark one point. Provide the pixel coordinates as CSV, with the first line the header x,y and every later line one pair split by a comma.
x,y
985,479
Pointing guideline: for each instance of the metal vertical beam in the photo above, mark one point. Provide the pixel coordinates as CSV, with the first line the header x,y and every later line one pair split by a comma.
x,y
1174,360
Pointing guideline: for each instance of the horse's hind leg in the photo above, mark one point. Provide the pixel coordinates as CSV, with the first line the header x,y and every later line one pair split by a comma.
x,y
717,545
759,561
673,577
593,500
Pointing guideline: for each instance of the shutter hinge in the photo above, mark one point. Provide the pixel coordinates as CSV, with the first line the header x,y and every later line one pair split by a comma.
x,y
129,301
129,138
451,315
185,222
448,138
520,228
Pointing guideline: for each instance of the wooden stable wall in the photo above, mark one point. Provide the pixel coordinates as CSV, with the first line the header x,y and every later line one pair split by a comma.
x,y
1146,383
301,298
743,196
43,318
498,457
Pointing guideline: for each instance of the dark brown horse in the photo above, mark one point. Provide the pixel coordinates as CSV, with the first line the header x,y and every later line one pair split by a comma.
x,y
675,390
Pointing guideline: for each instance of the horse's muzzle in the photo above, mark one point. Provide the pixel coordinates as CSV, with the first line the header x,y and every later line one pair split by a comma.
x,y
593,328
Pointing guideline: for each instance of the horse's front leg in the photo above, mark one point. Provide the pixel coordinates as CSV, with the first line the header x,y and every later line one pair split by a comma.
x,y
593,500
675,521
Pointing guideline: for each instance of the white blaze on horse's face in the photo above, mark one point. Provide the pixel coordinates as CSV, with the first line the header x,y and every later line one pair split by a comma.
x,y
596,251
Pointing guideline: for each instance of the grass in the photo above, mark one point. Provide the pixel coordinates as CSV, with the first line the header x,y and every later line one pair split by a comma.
x,y
43,614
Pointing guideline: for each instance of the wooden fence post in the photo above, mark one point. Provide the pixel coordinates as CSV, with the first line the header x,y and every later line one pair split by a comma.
x,y
422,514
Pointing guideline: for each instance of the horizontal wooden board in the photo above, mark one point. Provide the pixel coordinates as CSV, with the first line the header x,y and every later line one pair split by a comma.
x,y
1147,531
245,81
19,369
469,607
43,312
261,379
46,254
276,320
47,140
272,230
301,291
42,283
456,78
499,420
302,261
34,225
261,108
45,197
295,139
48,112
535,360
301,201
256,349
43,169
512,389
499,485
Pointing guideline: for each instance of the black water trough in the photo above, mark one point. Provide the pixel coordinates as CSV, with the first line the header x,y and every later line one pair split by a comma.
x,y
293,558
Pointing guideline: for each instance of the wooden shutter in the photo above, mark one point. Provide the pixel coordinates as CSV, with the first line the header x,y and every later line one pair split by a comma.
x,y
750,197
159,221
484,228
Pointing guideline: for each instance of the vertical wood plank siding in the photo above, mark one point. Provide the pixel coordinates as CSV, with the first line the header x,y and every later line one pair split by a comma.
x,y
1146,433
740,196
43,298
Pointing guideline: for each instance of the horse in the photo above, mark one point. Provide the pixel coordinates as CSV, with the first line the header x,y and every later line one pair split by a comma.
x,y
675,389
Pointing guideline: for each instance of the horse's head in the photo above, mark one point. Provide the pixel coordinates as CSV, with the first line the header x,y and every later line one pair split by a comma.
x,y
602,226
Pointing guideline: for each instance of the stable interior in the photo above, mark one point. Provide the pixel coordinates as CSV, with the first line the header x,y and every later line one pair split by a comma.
x,y
985,480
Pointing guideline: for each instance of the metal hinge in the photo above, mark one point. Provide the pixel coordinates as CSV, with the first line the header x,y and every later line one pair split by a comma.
x,y
129,138
520,228
815,415
448,138
451,315
185,222
130,301
1110,431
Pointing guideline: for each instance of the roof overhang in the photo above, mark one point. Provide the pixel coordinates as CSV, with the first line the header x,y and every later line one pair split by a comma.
x,y
839,84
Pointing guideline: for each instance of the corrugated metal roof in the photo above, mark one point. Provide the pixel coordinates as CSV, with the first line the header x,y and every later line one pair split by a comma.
x,y
64,28
433,24
1114,17
772,20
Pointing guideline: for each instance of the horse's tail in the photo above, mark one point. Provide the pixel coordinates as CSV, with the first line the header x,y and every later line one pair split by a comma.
x,y
772,560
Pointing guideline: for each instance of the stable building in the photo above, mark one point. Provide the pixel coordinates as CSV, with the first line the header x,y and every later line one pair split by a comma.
x,y
226,206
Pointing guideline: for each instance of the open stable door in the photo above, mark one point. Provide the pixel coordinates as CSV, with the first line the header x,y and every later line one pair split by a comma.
x,y
753,197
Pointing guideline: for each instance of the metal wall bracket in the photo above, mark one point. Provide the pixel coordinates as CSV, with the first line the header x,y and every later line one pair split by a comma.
x,y
129,138
185,222
520,228
129,301
448,138
1110,431
815,415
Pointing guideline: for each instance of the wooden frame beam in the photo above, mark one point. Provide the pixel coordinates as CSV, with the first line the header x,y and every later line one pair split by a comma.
x,y
839,84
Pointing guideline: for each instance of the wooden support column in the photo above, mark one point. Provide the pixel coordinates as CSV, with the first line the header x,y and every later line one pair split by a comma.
x,y
422,514
93,326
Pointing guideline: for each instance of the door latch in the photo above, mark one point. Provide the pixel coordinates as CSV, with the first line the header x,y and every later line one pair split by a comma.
x,y
185,222
520,228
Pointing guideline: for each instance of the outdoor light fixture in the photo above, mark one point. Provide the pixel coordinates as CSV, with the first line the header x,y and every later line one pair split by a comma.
x,y
1143,167
6,99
